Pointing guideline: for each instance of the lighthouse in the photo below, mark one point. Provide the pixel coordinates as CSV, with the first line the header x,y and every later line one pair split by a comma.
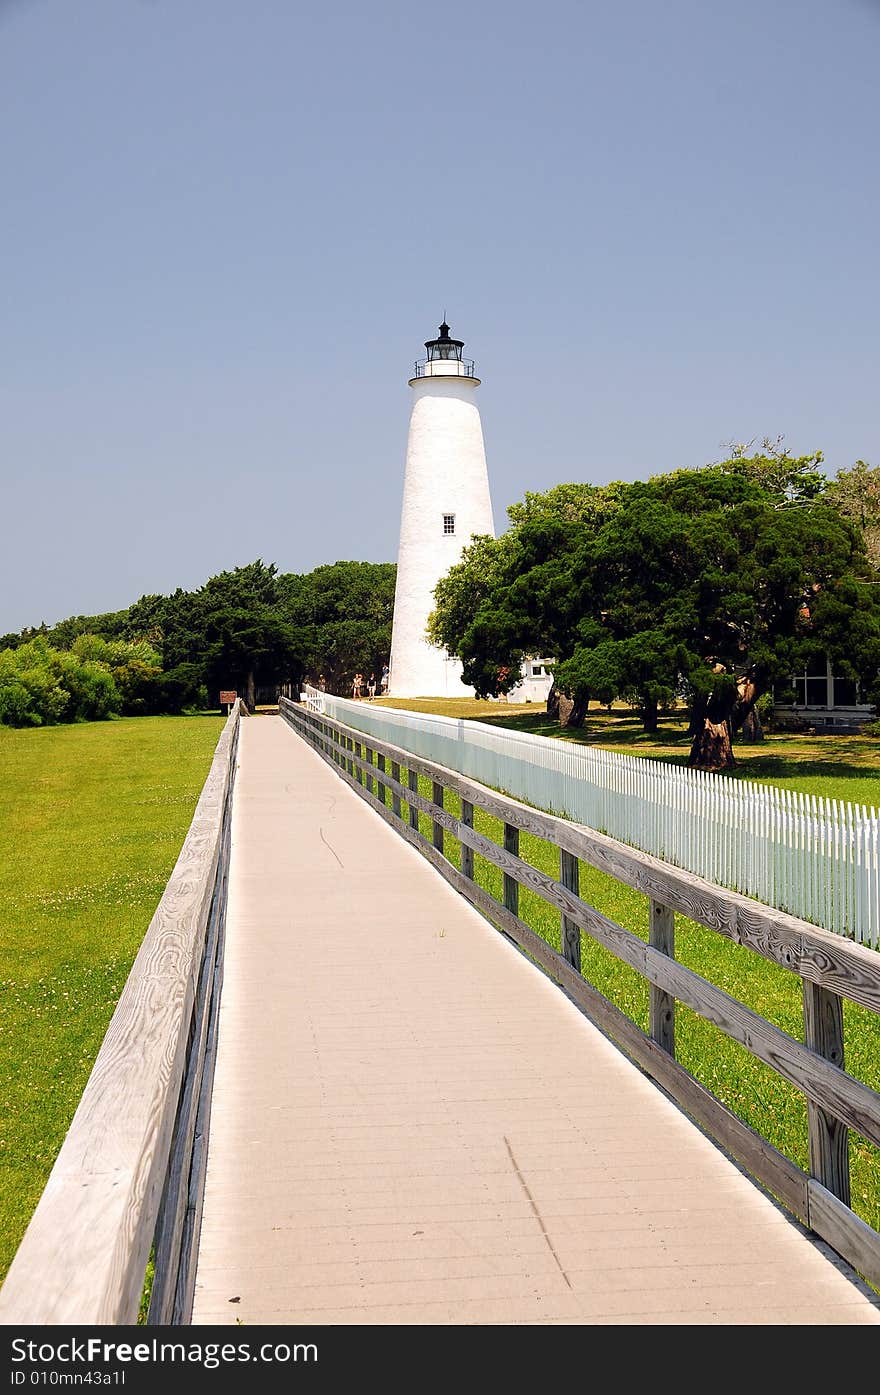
x,y
446,501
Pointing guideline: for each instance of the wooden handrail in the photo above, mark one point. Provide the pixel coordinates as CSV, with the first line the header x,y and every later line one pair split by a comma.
x,y
127,1160
830,967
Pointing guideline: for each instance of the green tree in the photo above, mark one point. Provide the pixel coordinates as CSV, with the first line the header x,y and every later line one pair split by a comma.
x,y
171,625
230,633
523,593
245,637
112,625
720,581
342,616
856,494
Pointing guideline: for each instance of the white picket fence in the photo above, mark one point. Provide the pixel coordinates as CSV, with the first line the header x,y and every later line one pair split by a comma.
x,y
813,857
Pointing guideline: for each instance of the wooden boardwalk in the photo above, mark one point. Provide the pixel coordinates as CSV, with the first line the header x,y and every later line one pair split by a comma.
x,y
411,1124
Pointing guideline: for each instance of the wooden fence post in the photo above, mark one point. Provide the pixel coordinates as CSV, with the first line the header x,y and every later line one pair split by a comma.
x,y
412,780
438,829
467,853
661,936
382,790
829,1138
395,797
569,875
369,759
511,885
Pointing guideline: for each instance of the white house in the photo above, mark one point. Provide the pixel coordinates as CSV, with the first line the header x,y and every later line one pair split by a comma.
x,y
536,680
824,701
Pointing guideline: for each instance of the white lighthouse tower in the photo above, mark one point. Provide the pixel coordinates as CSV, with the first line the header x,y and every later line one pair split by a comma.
x,y
445,502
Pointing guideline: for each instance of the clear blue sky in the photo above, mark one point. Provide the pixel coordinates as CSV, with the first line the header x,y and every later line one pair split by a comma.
x,y
227,228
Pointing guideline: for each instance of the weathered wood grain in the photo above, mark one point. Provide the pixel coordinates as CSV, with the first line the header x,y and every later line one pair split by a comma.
x,y
381,786
829,1138
83,1256
395,795
846,1232
569,876
368,757
511,883
176,1234
169,1227
438,831
412,780
192,1225
467,852
661,936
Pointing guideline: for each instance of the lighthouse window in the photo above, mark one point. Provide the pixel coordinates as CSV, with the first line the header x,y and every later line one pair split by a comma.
x,y
449,523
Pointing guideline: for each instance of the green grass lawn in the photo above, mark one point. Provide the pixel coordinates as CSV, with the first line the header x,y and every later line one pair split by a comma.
x,y
92,818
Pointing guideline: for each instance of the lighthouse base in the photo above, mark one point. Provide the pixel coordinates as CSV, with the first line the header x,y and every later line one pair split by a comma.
x,y
428,672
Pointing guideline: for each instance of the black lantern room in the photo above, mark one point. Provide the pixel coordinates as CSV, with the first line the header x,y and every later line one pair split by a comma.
x,y
443,346
446,351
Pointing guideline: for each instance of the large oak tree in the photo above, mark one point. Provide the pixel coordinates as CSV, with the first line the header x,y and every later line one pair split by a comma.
x,y
716,583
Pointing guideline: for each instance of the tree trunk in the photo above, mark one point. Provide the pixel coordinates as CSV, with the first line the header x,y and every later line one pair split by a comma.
x,y
699,707
649,710
572,713
745,713
251,698
553,702
712,748
751,727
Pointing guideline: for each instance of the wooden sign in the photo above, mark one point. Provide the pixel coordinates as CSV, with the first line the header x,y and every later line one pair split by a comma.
x,y
226,698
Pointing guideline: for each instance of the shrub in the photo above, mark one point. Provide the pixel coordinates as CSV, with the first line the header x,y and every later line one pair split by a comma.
x,y
92,691
133,664
40,685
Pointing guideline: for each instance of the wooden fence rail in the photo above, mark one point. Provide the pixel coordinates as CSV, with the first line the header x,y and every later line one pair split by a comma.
x,y
830,967
130,1173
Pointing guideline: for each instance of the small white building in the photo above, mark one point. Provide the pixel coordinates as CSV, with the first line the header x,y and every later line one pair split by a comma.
x,y
446,502
823,701
536,680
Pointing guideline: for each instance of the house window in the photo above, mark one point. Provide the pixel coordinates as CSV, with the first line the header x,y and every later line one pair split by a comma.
x,y
845,692
817,692
810,689
537,670
449,523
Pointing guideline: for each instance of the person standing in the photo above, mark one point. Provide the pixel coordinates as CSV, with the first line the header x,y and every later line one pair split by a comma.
x,y
371,686
385,679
